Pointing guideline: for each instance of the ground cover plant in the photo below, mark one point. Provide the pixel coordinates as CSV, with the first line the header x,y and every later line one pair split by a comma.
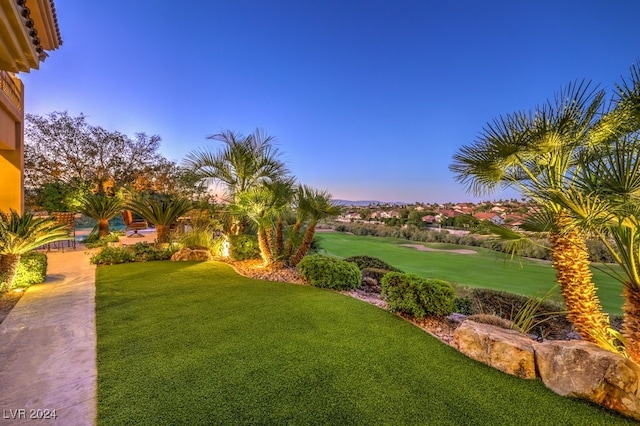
x,y
485,268
207,346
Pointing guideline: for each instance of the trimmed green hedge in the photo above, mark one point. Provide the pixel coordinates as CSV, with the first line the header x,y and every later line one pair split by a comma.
x,y
417,297
329,272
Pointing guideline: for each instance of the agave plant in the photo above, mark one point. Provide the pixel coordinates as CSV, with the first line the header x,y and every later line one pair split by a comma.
x,y
102,209
21,234
162,212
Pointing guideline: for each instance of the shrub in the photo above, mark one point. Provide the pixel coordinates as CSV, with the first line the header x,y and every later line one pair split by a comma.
x,y
463,305
139,252
112,256
364,262
244,247
32,269
143,252
329,272
93,241
416,296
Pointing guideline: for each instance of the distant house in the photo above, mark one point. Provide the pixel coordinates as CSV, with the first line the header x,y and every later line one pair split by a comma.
x,y
390,214
352,216
429,219
514,220
489,216
451,212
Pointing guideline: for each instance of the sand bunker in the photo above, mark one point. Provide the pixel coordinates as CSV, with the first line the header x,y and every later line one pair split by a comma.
x,y
420,247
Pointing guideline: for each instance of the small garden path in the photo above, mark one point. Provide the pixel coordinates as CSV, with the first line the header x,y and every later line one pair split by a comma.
x,y
48,347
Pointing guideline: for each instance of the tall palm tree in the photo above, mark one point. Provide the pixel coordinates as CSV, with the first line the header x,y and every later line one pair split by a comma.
x,y
605,202
243,163
315,205
538,151
162,212
102,209
21,234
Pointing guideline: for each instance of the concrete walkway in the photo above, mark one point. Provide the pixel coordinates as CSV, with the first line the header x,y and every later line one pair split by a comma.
x,y
48,348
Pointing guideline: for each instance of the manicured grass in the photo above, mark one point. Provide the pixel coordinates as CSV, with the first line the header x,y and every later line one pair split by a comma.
x,y
197,344
486,268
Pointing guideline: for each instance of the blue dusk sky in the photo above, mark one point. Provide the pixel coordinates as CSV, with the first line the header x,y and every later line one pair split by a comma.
x,y
368,99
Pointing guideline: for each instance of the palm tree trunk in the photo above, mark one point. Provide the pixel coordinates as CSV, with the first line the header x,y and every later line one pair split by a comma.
x,y
305,245
163,234
288,250
9,267
279,239
571,262
263,243
103,228
631,321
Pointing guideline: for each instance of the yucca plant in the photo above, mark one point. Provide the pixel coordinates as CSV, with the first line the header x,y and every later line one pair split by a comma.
x,y
21,234
162,212
101,208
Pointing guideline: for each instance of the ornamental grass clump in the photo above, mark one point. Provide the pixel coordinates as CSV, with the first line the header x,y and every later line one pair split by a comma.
x,y
329,272
417,297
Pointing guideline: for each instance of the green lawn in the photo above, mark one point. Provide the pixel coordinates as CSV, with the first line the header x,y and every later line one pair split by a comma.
x,y
486,268
197,344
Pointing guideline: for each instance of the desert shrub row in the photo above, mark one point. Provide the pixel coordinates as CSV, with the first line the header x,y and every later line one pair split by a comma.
x,y
538,249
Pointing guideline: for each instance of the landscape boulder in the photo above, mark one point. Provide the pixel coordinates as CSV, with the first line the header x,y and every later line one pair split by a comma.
x,y
506,350
583,370
187,254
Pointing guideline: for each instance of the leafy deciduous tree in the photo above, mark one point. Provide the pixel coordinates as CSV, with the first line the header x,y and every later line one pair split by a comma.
x,y
60,147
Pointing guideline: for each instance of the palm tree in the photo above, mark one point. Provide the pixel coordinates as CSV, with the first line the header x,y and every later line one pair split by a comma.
x,y
162,212
605,202
21,234
536,152
265,206
244,163
102,209
315,205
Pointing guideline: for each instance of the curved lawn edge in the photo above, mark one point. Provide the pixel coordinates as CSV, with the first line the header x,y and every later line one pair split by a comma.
x,y
196,343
